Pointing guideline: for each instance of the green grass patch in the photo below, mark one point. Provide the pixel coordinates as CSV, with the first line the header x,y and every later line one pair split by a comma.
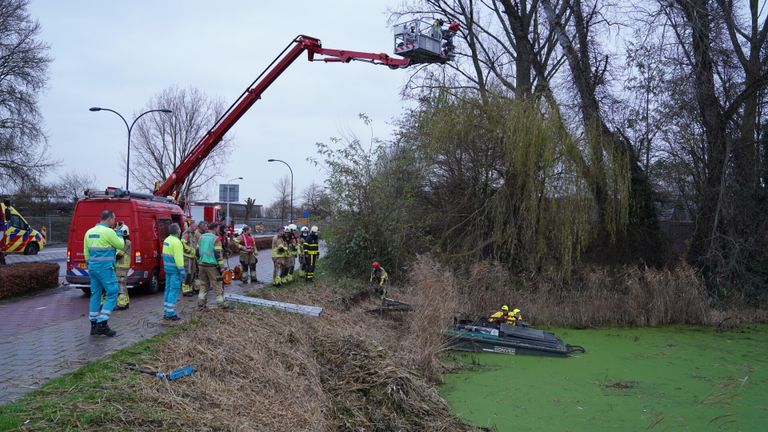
x,y
93,395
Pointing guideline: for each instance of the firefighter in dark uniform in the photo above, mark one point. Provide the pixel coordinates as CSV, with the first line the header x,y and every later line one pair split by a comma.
x,y
311,252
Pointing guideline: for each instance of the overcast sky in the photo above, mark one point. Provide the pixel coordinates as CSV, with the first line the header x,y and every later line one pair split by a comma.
x,y
119,54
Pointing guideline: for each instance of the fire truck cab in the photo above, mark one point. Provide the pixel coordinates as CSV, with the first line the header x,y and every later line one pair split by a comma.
x,y
148,219
19,236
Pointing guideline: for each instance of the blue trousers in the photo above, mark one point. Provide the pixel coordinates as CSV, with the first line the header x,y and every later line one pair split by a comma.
x,y
171,295
102,280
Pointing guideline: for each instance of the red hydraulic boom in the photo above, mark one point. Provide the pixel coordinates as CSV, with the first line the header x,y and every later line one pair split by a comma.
x,y
315,52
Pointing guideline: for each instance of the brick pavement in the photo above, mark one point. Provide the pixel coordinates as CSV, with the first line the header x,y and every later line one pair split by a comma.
x,y
47,336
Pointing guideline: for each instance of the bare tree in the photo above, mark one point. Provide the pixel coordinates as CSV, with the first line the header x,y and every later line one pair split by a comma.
x,y
280,207
23,73
504,47
162,142
250,204
73,184
317,201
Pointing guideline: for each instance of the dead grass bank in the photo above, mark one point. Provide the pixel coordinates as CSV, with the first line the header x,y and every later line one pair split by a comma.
x,y
261,369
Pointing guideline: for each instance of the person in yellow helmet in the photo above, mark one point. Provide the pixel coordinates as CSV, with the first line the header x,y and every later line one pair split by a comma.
x,y
514,317
498,316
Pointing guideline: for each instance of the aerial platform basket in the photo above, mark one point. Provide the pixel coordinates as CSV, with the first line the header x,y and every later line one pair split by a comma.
x,y
423,43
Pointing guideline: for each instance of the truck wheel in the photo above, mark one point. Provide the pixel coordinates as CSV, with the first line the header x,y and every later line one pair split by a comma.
x,y
31,249
153,285
86,290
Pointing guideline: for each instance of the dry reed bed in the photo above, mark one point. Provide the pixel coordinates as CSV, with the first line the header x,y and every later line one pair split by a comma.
x,y
598,297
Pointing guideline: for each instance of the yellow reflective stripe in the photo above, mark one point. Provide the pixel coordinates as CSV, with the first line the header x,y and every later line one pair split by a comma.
x,y
16,246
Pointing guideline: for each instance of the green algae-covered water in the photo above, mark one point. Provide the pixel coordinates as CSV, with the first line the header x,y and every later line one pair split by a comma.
x,y
660,379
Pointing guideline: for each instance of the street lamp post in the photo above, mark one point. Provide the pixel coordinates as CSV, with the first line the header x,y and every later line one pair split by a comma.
x,y
289,168
130,128
229,218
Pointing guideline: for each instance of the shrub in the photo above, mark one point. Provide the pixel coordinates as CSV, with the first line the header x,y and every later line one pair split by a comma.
x,y
23,278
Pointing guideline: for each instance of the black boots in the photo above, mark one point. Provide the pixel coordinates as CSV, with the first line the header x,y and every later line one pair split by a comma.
x,y
93,328
102,328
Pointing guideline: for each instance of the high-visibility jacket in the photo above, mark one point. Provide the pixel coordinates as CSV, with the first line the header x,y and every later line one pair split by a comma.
x,y
246,244
509,317
173,254
514,316
100,246
123,257
496,316
293,246
189,242
381,277
279,247
311,244
209,250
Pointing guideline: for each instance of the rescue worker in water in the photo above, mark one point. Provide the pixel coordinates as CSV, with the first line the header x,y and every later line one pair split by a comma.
x,y
100,246
506,316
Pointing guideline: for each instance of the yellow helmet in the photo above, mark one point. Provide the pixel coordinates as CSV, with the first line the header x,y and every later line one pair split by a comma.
x,y
505,308
515,311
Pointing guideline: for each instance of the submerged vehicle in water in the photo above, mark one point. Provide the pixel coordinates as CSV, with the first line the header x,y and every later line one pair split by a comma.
x,y
507,339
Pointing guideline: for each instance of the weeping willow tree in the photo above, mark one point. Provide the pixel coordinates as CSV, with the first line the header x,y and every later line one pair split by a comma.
x,y
508,183
472,179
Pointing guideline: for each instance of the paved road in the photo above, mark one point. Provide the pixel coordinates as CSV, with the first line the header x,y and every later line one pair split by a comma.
x,y
47,254
47,335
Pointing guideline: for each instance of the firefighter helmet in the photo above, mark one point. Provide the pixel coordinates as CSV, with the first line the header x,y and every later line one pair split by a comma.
x,y
505,308
315,228
292,227
376,265
304,229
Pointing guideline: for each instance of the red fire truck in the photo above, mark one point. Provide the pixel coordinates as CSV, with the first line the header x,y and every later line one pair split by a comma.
x,y
149,216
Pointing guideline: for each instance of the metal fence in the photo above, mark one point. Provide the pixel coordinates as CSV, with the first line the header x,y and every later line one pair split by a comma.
x,y
57,226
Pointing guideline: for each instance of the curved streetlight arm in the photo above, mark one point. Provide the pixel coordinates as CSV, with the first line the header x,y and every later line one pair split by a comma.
x,y
291,170
130,128
118,114
142,115
286,164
